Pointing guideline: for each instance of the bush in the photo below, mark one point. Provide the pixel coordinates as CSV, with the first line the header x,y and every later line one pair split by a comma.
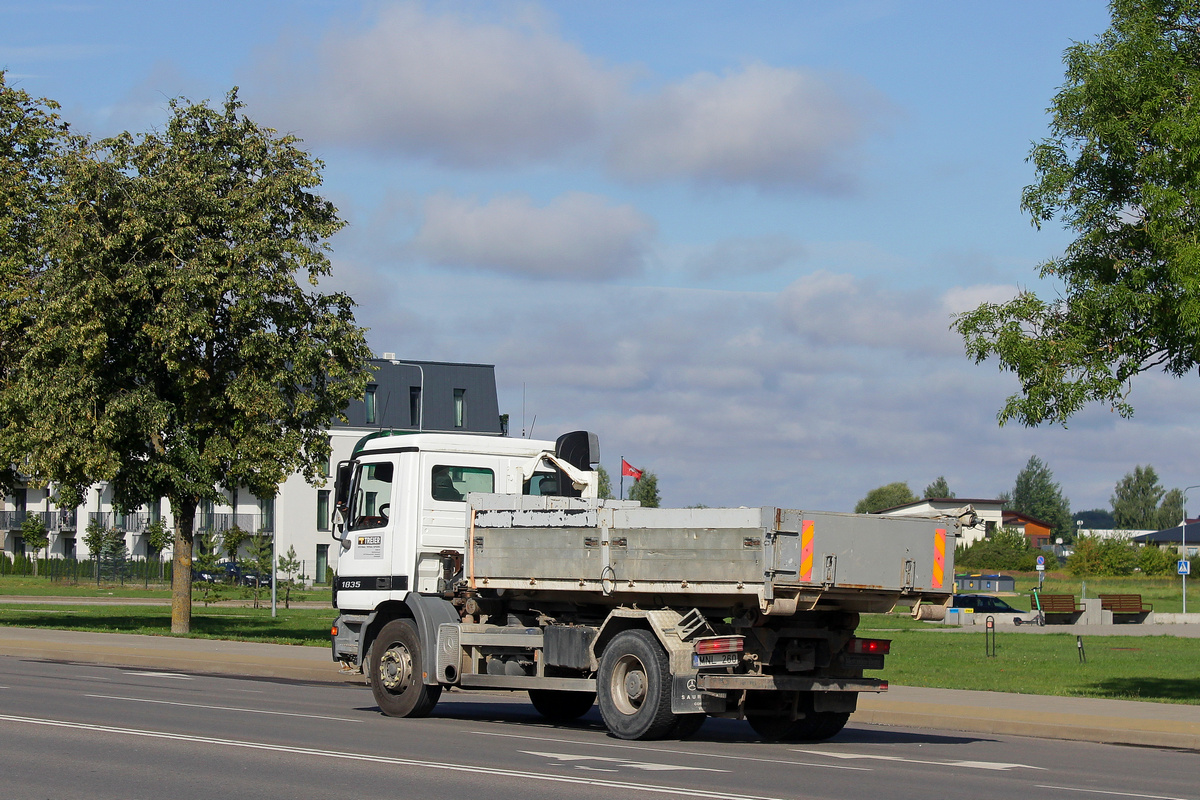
x,y
1102,557
1007,549
1156,561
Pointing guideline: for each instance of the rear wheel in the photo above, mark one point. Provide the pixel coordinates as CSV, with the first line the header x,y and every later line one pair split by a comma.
x,y
816,726
686,726
561,706
634,687
395,672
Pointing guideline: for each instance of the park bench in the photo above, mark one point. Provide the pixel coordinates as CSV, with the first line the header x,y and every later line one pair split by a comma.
x,y
1059,604
1126,604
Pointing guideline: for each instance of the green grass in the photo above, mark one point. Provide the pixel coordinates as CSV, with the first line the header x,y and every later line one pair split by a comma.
x,y
44,587
299,626
1154,668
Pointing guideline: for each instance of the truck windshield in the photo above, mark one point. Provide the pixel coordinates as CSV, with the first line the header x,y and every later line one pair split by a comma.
x,y
371,504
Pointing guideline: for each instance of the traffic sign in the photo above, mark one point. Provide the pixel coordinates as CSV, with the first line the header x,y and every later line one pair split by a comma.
x,y
1041,567
1041,561
1185,567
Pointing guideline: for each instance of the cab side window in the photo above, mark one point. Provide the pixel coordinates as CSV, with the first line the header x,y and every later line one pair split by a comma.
x,y
541,484
451,484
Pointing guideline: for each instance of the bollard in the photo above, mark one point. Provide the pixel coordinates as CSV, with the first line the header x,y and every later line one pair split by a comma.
x,y
989,637
1082,655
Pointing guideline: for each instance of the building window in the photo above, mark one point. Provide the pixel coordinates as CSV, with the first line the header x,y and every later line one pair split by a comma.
x,y
327,468
266,508
369,402
322,509
414,406
460,407
156,510
322,572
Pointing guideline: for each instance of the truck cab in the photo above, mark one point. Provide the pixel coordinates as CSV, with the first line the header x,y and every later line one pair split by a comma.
x,y
400,514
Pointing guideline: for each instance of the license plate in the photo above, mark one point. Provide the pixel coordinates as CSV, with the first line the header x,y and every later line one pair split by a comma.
x,y
715,659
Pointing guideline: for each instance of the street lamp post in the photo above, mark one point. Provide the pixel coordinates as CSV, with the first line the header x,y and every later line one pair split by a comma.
x,y
1183,542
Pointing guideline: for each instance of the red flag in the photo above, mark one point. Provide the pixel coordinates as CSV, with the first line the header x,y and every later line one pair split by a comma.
x,y
631,471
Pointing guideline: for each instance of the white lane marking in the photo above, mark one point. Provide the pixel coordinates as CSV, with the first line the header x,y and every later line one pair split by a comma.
x,y
1117,794
992,765
519,775
95,678
648,766
221,708
673,752
174,675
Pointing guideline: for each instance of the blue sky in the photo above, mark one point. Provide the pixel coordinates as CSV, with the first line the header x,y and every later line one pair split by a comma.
x,y
727,236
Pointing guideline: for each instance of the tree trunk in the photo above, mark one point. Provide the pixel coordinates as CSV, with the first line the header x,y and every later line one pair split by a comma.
x,y
181,585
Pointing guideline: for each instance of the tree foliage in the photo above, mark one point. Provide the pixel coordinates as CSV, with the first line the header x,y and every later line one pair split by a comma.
x,y
603,484
1135,499
1120,169
174,349
289,565
1037,494
33,144
1103,557
887,496
1139,502
939,489
645,490
1170,510
35,537
1006,549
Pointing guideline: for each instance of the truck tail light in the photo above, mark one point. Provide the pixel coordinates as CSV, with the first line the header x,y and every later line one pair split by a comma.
x,y
879,647
719,644
333,631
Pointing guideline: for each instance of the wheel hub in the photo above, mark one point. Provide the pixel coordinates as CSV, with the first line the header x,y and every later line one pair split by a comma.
x,y
635,686
395,668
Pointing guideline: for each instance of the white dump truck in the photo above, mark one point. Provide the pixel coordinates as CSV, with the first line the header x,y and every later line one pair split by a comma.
x,y
482,562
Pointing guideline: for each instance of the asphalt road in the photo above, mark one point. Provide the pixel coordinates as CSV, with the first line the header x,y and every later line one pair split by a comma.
x,y
97,732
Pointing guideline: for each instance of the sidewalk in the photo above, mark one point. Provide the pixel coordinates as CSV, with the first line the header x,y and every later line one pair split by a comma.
x,y
1083,719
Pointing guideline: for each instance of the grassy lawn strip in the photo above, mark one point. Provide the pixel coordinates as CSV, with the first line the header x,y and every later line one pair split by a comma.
x,y
44,587
300,626
1160,669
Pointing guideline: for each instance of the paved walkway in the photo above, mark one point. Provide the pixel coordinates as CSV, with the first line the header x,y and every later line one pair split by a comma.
x,y
1085,719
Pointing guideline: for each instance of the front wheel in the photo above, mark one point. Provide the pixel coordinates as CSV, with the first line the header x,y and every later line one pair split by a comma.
x,y
395,672
634,687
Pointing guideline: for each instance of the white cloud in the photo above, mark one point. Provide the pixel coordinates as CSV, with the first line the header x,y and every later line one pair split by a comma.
x,y
456,90
766,126
576,236
965,298
468,93
744,256
842,310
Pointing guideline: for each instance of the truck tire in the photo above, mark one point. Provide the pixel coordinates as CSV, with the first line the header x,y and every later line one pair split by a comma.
x,y
686,726
816,727
395,670
561,706
634,687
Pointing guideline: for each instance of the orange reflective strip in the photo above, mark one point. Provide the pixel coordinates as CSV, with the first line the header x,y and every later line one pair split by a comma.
x,y
939,558
806,550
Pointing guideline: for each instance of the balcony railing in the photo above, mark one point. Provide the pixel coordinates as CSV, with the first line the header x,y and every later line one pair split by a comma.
x,y
13,520
219,523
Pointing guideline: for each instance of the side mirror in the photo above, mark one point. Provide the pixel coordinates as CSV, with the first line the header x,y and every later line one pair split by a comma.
x,y
341,486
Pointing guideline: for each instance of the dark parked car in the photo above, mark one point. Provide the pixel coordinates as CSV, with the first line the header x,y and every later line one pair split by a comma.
x,y
984,604
203,575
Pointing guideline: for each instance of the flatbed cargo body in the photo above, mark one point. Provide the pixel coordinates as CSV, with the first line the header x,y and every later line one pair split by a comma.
x,y
774,559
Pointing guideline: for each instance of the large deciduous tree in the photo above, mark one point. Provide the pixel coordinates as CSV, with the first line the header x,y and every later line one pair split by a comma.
x,y
176,347
886,496
1037,494
1135,499
1121,169
33,142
